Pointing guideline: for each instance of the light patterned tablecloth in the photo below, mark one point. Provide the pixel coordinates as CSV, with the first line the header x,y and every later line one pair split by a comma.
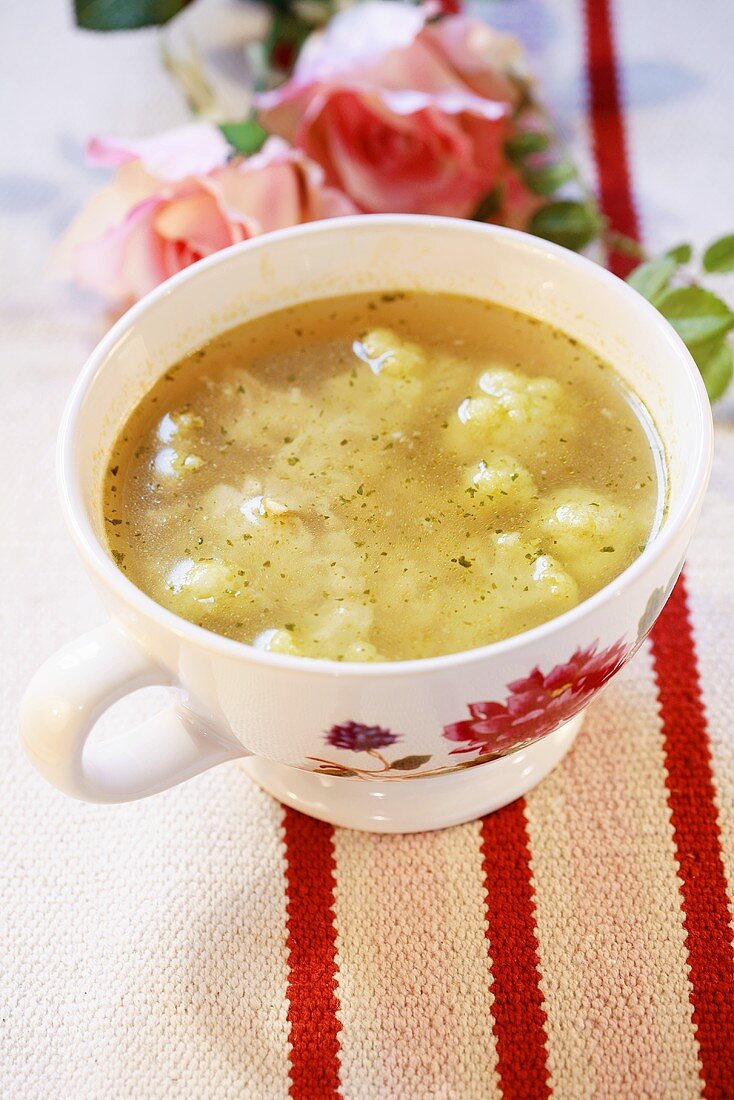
x,y
207,943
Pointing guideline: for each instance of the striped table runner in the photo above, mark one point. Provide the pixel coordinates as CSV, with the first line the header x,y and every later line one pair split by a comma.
x,y
580,940
210,943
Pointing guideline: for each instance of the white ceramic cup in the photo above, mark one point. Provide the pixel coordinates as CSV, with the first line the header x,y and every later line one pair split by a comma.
x,y
362,745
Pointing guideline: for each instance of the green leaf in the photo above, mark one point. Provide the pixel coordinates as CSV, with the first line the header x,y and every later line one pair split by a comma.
x,y
571,224
244,137
681,253
716,364
122,15
287,33
544,181
696,314
525,143
343,773
719,256
653,277
489,205
409,763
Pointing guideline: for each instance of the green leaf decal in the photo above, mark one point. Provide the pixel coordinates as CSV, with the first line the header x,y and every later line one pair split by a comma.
x,y
719,256
123,15
409,763
696,314
571,224
244,137
653,277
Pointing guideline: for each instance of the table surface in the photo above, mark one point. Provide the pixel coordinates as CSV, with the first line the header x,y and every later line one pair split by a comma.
x,y
207,942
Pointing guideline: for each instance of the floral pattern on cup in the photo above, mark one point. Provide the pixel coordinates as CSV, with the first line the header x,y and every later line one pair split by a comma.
x,y
538,703
357,737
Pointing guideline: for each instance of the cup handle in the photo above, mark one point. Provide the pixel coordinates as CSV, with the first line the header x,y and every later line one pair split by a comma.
x,y
67,696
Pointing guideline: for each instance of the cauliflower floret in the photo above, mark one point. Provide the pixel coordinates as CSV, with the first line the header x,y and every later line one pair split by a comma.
x,y
522,564
264,414
513,411
178,424
386,353
277,641
407,590
518,585
169,463
201,581
336,627
588,531
230,513
531,586
362,652
502,480
303,471
397,362
495,586
260,509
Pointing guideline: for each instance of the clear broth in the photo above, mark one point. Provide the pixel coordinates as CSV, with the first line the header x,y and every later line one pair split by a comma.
x,y
382,477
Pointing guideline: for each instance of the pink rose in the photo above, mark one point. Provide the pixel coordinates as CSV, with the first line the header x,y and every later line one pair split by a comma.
x,y
178,197
404,115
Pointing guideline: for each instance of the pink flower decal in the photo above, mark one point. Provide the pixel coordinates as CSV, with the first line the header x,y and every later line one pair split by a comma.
x,y
537,704
178,197
405,115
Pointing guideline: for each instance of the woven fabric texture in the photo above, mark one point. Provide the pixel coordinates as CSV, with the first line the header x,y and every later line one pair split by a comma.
x,y
208,942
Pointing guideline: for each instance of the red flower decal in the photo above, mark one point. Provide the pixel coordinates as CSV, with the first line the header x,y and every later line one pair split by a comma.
x,y
537,704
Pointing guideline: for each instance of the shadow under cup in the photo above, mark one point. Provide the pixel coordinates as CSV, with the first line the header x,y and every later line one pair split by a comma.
x,y
277,709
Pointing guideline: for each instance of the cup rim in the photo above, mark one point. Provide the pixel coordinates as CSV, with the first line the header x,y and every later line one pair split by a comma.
x,y
102,566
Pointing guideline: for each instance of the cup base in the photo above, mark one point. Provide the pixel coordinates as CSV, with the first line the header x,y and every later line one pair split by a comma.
x,y
415,805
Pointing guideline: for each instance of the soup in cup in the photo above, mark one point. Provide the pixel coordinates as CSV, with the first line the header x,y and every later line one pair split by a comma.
x,y
387,571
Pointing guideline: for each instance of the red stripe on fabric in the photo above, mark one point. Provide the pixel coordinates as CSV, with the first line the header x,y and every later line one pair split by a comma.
x,y
607,130
311,946
519,1017
691,793
691,798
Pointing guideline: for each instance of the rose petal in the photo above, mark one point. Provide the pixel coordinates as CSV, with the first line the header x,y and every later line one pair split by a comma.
x,y
357,36
107,208
197,220
482,57
423,162
275,188
101,264
195,149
